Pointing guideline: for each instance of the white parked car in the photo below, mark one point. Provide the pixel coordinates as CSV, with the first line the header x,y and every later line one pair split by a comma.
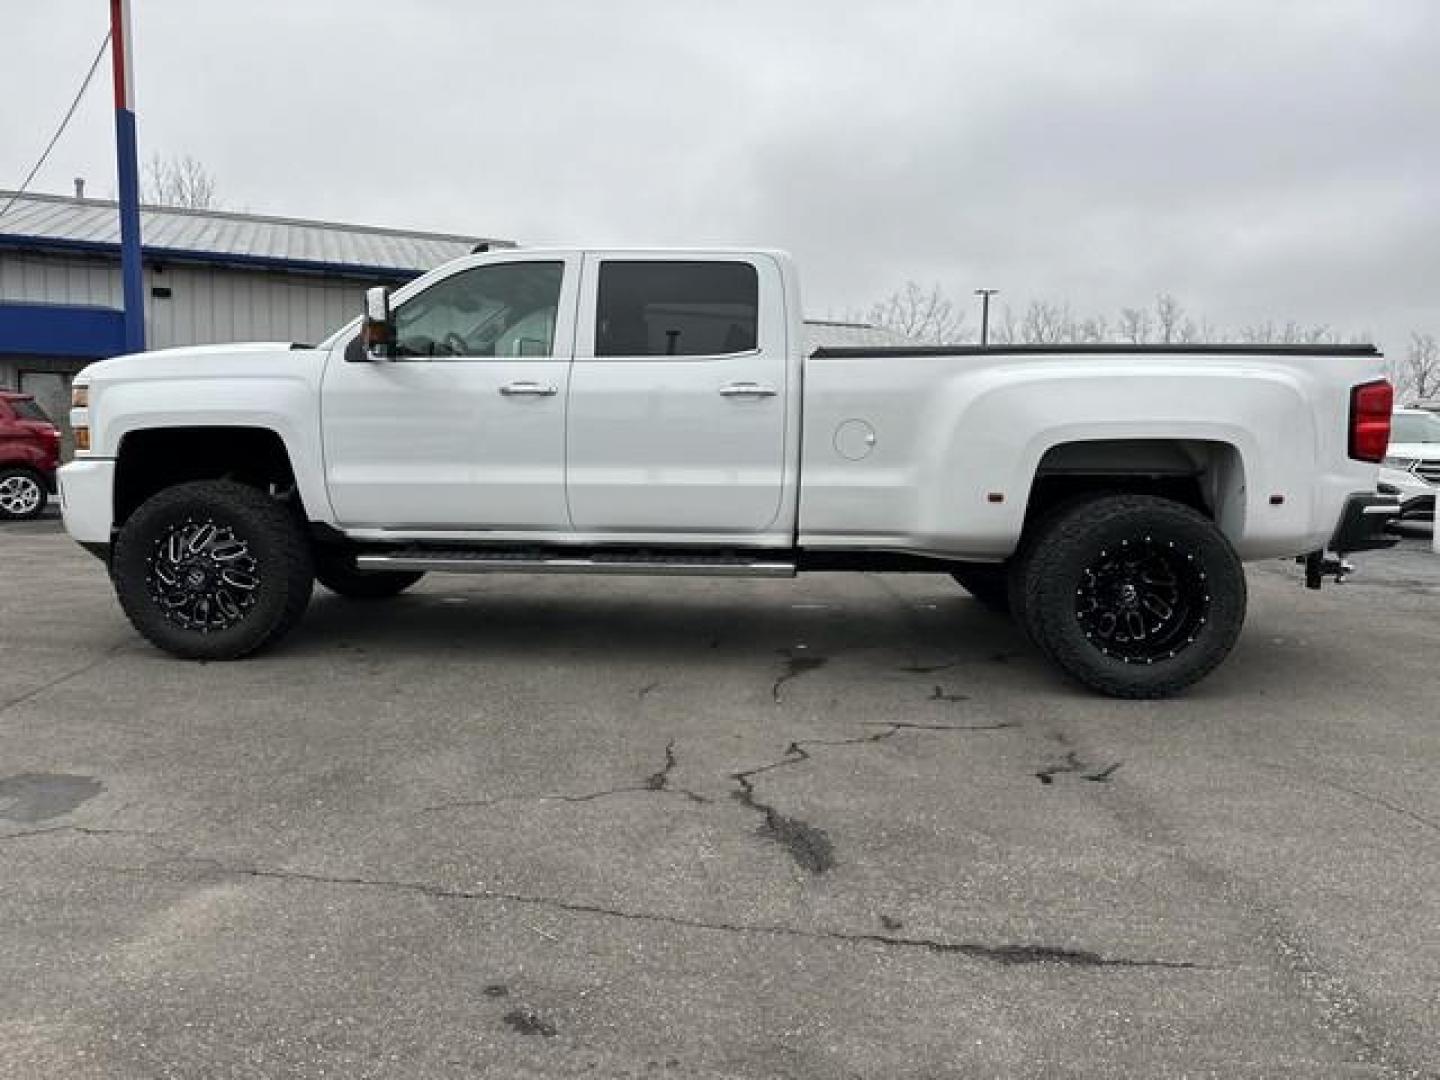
x,y
658,412
1411,469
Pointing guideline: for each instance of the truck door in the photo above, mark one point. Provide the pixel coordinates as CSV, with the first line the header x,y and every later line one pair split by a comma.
x,y
677,395
465,427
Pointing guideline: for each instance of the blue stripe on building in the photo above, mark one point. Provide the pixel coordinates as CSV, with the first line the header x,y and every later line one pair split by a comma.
x,y
61,329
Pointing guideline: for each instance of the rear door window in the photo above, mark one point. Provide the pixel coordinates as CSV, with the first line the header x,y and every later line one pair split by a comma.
x,y
651,308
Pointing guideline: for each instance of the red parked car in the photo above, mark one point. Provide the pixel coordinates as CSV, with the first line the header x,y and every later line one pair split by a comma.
x,y
29,456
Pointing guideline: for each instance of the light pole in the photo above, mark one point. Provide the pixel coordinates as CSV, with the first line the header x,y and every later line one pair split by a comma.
x,y
985,295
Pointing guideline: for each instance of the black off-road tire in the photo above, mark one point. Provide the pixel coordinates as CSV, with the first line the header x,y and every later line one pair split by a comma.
x,y
1078,567
1019,573
22,485
989,584
278,555
1019,563
336,571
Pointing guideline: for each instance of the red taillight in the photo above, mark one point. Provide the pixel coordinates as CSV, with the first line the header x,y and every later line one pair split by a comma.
x,y
1370,407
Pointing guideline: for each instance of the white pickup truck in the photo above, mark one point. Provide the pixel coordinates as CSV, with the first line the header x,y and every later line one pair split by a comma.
x,y
657,412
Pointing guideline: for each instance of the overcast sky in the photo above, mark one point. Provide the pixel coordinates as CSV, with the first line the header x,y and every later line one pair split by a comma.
x,y
1260,159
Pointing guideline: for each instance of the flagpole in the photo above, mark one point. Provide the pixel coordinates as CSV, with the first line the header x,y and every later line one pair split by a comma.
x,y
127,167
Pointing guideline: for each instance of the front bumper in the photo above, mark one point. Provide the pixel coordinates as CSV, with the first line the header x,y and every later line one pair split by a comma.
x,y
87,500
1362,524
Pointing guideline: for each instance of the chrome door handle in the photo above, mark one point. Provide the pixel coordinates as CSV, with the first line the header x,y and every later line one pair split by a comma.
x,y
527,389
747,389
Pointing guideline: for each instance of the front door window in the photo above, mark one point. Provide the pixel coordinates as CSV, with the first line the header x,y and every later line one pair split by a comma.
x,y
506,310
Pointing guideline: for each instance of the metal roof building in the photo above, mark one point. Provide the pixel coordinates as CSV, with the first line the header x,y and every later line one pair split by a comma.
x,y
210,276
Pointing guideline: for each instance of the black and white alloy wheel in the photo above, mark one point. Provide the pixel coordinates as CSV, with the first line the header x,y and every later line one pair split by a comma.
x,y
1142,601
202,576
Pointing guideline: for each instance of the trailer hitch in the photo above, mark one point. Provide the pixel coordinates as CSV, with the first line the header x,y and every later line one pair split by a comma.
x,y
1319,566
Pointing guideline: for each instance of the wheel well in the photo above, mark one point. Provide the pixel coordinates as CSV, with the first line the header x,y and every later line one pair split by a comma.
x,y
1205,475
150,461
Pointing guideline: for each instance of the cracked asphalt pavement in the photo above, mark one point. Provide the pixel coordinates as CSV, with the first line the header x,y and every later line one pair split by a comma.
x,y
849,826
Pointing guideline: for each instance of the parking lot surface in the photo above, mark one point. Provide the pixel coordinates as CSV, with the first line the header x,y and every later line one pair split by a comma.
x,y
849,826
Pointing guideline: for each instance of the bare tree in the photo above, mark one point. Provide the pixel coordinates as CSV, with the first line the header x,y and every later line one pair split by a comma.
x,y
928,316
1258,333
922,315
180,182
1169,319
1207,331
1134,325
1417,375
1093,330
1046,323
1004,330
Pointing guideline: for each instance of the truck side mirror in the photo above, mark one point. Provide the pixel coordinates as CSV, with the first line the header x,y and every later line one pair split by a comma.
x,y
377,328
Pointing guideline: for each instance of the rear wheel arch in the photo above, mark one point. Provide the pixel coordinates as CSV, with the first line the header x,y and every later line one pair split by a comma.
x,y
1207,475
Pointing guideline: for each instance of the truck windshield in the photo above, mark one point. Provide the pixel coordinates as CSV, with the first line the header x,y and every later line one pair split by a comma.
x,y
1415,428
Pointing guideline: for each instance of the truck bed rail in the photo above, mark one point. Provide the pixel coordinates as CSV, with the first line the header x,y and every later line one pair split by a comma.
x,y
1091,348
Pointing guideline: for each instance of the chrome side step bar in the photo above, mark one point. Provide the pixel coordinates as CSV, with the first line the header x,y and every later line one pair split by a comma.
x,y
686,565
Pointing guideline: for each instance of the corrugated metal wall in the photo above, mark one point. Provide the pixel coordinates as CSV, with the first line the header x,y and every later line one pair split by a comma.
x,y
51,280
206,304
